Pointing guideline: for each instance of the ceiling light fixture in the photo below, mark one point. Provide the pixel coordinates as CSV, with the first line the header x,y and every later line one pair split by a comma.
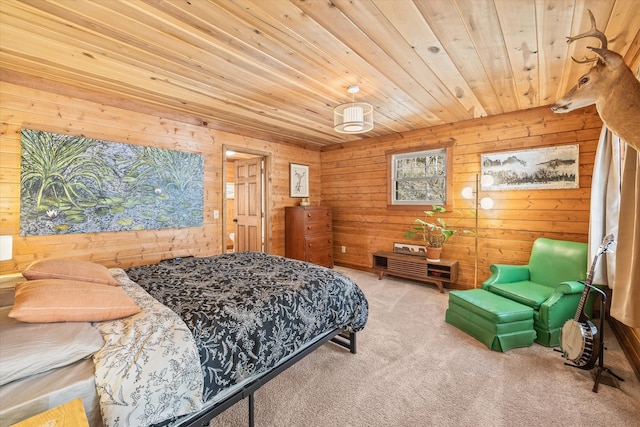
x,y
353,117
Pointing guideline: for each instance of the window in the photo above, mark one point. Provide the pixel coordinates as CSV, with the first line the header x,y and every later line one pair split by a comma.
x,y
420,177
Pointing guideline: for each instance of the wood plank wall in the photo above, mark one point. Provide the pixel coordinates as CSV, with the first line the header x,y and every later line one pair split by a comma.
x,y
26,107
354,179
349,177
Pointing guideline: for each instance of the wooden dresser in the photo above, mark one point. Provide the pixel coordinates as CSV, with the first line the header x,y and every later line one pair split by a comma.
x,y
309,234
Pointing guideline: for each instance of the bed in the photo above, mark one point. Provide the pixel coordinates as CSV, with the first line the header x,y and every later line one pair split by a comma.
x,y
209,333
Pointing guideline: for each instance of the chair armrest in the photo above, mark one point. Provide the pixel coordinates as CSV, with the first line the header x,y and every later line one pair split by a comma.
x,y
569,287
562,304
506,273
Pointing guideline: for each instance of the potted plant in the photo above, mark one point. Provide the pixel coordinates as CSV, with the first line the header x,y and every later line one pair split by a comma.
x,y
433,231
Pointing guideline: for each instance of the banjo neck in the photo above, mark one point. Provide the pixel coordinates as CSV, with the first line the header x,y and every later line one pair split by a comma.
x,y
604,246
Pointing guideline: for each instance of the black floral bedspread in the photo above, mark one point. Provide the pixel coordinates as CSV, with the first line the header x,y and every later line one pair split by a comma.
x,y
248,310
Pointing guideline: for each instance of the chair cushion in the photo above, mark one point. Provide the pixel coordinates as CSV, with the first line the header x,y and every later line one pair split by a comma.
x,y
525,292
490,306
555,261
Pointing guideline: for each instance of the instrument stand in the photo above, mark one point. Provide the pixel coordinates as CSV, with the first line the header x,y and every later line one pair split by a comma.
x,y
603,374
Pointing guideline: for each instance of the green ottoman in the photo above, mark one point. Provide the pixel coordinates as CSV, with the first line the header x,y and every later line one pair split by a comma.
x,y
499,323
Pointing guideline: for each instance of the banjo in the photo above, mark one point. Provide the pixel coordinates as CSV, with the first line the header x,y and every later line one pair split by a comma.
x,y
580,337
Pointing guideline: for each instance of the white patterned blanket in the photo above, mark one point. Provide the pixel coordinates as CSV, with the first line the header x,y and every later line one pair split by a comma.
x,y
149,369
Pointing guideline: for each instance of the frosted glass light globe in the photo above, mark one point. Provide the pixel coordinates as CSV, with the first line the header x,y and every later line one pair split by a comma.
x,y
486,203
467,192
486,180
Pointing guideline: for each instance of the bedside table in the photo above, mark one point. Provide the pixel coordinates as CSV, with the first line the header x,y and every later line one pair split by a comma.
x,y
7,285
69,414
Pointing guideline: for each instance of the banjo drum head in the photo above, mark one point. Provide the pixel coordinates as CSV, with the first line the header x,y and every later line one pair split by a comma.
x,y
572,340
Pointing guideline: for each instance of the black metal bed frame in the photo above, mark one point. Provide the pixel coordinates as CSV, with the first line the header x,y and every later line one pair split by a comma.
x,y
339,336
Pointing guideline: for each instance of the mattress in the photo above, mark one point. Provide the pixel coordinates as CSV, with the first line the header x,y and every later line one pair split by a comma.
x,y
23,398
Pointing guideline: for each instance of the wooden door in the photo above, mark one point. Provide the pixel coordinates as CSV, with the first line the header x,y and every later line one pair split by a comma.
x,y
248,201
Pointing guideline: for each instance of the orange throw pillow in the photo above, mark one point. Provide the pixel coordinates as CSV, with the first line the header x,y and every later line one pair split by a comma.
x,y
54,300
69,269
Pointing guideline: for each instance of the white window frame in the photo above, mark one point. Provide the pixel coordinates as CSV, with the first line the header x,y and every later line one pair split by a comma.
x,y
442,171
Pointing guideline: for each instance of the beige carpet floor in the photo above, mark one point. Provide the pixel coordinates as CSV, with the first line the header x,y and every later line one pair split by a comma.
x,y
413,369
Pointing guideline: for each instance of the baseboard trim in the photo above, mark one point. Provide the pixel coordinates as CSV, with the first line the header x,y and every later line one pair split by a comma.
x,y
629,339
355,267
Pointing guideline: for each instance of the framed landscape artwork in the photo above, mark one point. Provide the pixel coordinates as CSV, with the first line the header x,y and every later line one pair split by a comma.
x,y
541,168
409,249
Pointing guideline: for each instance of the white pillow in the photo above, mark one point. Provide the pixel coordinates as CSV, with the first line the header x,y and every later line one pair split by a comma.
x,y
31,348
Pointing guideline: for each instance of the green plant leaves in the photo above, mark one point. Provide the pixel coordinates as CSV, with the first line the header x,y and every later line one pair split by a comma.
x,y
433,230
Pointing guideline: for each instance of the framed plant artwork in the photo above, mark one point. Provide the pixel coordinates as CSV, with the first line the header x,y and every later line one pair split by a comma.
x,y
74,184
298,180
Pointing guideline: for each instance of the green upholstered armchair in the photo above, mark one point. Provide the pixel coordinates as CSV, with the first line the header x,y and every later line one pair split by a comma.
x,y
548,284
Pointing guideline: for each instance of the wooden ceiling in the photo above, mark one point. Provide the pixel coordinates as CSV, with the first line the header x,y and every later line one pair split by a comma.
x,y
277,68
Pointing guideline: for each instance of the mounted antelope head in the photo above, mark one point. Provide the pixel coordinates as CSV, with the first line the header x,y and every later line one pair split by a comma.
x,y
610,85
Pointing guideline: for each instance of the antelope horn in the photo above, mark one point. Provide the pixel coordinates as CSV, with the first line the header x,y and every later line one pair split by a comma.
x,y
593,32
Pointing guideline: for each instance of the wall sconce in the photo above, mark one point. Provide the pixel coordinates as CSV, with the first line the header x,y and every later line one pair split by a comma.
x,y
6,248
484,203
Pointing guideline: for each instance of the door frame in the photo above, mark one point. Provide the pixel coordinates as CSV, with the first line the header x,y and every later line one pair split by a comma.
x,y
266,191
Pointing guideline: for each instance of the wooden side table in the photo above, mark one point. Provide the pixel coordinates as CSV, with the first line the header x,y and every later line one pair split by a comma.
x,y
7,287
416,268
68,414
